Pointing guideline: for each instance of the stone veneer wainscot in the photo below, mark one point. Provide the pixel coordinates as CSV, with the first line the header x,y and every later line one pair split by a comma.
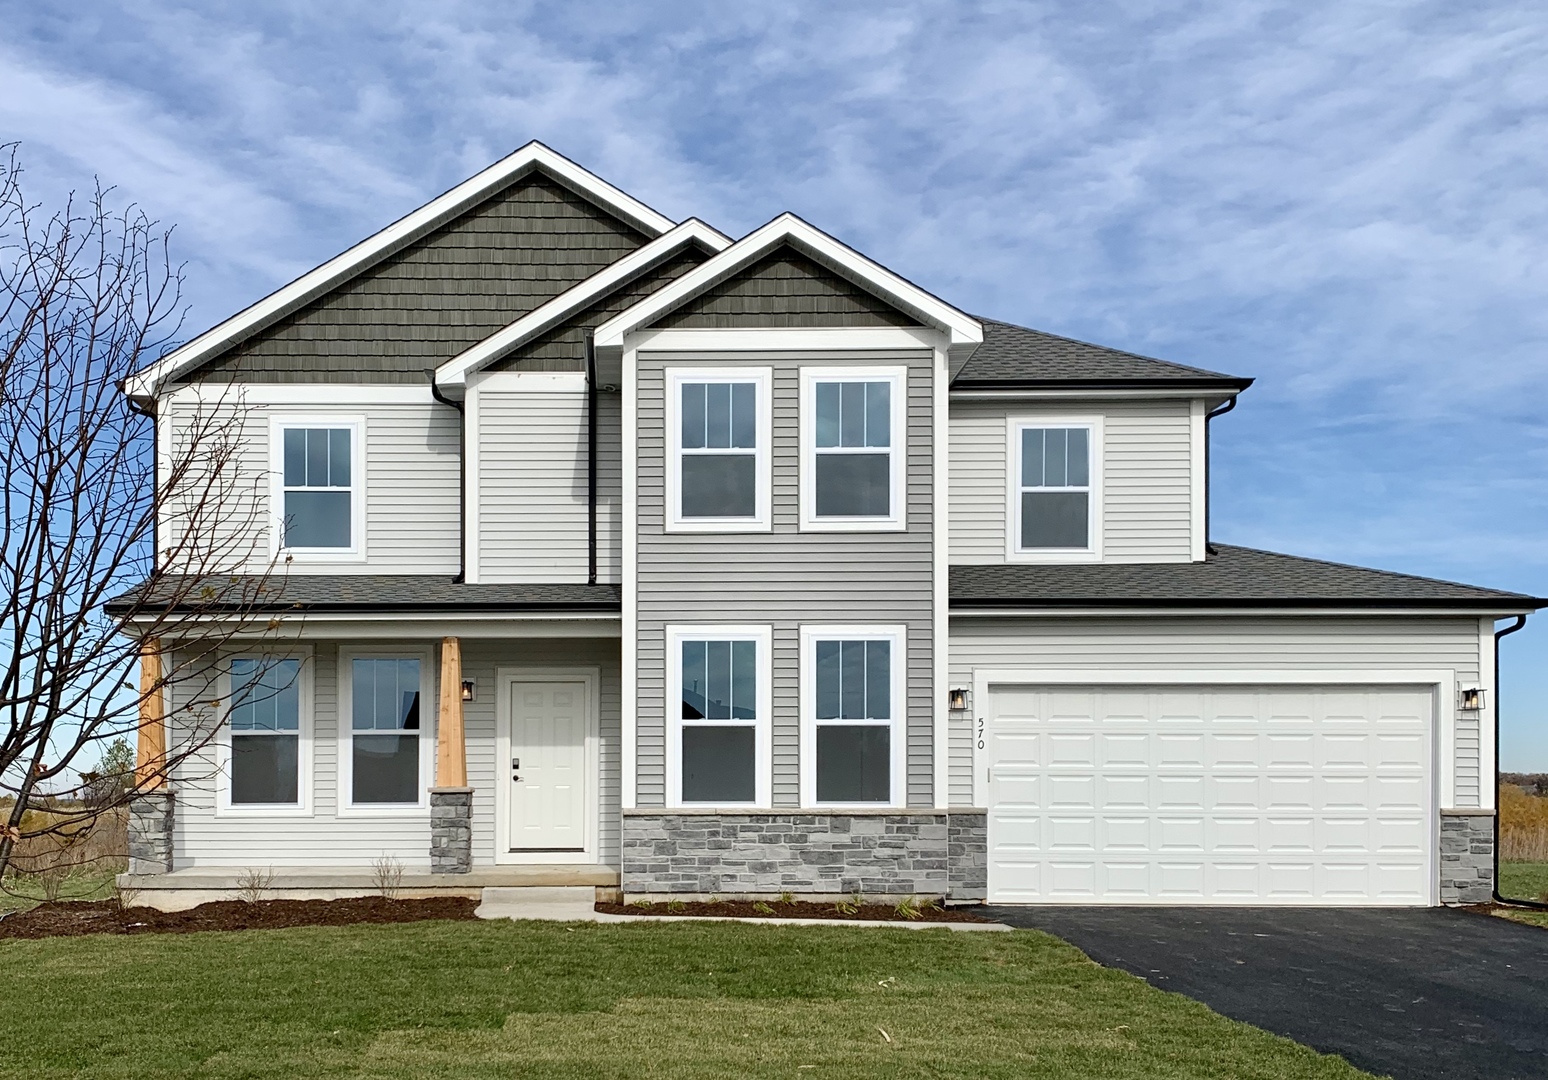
x,y
814,854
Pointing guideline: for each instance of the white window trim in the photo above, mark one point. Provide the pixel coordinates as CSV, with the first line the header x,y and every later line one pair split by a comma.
x,y
1013,551
762,379
278,424
224,807
763,726
897,521
898,636
429,715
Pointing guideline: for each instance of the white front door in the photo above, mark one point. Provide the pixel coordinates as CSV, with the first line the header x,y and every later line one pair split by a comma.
x,y
1209,794
547,767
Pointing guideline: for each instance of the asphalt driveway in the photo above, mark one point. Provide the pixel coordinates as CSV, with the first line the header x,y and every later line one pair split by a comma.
x,y
1412,993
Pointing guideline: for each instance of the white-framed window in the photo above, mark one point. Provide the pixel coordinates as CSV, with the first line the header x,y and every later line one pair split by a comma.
x,y
264,749
1055,488
318,487
387,709
718,715
853,448
854,715
719,420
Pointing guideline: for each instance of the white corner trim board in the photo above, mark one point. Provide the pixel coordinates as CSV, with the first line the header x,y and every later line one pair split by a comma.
x,y
374,248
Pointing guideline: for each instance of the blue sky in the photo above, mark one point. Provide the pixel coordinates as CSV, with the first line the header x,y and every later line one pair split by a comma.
x,y
1344,200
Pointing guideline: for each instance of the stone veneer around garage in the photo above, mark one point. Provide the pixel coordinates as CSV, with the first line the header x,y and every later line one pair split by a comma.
x,y
1466,857
813,855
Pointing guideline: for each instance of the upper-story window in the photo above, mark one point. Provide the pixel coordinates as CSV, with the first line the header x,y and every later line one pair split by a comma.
x,y
318,494
1055,493
853,460
718,715
718,476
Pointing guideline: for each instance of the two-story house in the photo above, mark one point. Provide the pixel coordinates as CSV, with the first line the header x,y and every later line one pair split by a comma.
x,y
610,551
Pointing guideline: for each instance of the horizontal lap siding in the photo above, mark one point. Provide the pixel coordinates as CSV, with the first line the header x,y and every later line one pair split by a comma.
x,y
1192,644
1146,501
532,486
785,578
325,838
411,480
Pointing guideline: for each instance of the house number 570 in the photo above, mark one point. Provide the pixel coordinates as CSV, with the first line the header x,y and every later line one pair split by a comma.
x,y
980,732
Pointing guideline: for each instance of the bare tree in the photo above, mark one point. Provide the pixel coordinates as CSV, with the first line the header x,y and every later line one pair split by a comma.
x,y
89,295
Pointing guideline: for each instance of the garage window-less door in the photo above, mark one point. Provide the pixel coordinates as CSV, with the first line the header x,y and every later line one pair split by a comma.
x,y
1246,795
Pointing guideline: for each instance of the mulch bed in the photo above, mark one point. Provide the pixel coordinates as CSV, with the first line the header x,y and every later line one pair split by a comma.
x,y
795,909
74,918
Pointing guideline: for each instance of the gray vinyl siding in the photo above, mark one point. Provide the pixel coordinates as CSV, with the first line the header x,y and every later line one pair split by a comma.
x,y
784,578
1147,478
205,837
1254,643
784,288
450,290
411,480
532,485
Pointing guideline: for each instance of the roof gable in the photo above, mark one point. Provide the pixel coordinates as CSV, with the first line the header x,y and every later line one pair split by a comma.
x,y
582,214
785,288
787,231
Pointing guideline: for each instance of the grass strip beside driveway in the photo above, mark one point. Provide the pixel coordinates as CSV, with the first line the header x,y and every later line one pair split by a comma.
x,y
442,999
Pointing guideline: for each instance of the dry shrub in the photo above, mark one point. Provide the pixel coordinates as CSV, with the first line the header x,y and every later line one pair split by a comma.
x,y
1523,825
43,865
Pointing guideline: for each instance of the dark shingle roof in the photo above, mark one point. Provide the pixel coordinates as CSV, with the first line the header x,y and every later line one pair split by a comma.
x,y
1230,576
1014,356
373,592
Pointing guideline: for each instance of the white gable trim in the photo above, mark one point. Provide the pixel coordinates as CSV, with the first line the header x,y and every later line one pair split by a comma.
x,y
964,333
455,372
399,234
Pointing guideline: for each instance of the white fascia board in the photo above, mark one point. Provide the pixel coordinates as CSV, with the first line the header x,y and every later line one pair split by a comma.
x,y
1163,612
964,333
454,373
342,267
1088,393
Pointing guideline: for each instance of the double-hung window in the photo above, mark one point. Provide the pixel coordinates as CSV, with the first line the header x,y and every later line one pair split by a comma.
x,y
265,767
853,460
1055,497
318,499
853,734
718,716
387,746
718,477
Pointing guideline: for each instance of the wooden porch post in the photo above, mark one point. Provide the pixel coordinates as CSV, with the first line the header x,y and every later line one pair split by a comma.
x,y
151,746
451,757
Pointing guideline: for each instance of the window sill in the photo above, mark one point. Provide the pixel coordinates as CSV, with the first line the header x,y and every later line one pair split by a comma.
x,y
262,810
718,525
874,525
384,811
1054,555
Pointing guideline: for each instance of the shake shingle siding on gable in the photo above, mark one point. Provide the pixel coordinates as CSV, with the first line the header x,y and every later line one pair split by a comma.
x,y
783,289
449,291
563,347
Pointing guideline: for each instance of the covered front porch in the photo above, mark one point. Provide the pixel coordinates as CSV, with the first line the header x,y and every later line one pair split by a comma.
x,y
504,769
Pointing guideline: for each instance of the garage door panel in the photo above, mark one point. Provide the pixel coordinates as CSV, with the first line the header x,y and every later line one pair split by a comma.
x,y
1288,795
1125,792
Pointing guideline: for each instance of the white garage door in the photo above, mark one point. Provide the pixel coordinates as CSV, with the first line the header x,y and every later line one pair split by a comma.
x,y
1210,794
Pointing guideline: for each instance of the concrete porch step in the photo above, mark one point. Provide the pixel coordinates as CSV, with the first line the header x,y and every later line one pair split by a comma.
x,y
558,903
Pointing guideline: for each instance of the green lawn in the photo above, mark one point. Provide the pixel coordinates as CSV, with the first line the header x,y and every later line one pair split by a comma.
x,y
1524,880
584,1000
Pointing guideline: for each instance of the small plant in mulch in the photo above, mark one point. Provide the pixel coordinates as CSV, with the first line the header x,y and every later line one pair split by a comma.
x,y
763,909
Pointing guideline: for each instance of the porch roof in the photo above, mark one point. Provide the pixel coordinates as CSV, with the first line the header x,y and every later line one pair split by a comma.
x,y
301,593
